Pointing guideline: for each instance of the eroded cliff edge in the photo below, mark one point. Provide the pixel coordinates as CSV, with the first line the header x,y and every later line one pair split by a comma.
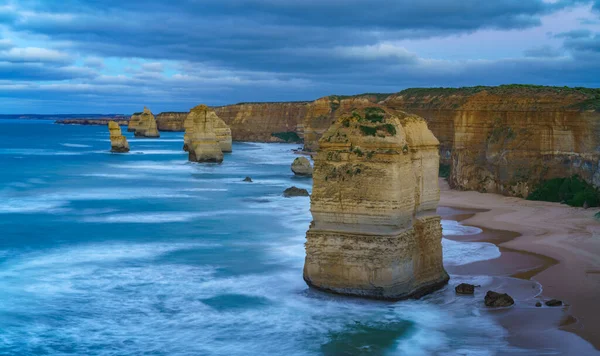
x,y
507,139
375,232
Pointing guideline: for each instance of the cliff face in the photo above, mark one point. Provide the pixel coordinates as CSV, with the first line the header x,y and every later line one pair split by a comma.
x,y
118,142
258,121
507,139
171,121
374,231
145,126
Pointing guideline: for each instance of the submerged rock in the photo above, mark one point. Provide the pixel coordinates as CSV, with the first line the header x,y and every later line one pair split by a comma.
x,y
538,304
295,192
221,130
465,288
118,142
301,167
247,179
497,300
146,125
375,231
554,303
200,138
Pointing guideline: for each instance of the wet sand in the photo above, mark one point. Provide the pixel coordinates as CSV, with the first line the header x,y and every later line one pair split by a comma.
x,y
552,247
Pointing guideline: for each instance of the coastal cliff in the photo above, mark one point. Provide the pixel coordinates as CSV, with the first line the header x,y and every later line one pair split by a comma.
x,y
375,232
264,122
508,139
145,126
171,121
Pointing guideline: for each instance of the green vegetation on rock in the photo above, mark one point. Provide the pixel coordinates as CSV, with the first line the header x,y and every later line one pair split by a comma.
x,y
444,170
573,191
289,136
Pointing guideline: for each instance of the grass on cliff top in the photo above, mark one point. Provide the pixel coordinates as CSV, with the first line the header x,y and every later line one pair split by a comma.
x,y
591,103
289,136
573,191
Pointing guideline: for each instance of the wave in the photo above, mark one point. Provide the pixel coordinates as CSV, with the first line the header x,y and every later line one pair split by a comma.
x,y
458,253
453,228
30,205
36,152
75,145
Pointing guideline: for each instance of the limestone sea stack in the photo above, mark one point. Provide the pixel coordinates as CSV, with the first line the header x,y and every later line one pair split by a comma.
x,y
375,232
134,121
220,128
200,139
301,167
146,126
118,142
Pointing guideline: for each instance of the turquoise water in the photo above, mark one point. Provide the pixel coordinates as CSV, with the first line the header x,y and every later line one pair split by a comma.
x,y
147,254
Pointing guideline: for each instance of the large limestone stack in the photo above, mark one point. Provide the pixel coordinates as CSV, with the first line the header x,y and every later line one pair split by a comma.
x,y
118,142
322,112
375,232
200,139
146,126
220,128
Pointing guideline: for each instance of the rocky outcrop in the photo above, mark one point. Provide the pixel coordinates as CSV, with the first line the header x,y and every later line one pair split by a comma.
x,y
220,128
375,232
322,112
295,192
171,121
200,139
146,125
301,167
498,300
507,139
465,288
259,121
118,142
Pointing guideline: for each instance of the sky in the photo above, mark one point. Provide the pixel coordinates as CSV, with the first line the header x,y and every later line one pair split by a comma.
x,y
117,56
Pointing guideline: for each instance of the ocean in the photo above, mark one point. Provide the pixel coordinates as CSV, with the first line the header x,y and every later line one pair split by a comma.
x,y
148,254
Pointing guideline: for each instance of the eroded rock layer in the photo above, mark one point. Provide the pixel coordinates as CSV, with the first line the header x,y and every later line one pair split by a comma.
x,y
507,139
375,232
134,121
171,121
259,121
118,142
200,139
146,125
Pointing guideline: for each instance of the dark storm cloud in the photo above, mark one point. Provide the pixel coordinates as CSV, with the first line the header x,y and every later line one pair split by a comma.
x,y
221,52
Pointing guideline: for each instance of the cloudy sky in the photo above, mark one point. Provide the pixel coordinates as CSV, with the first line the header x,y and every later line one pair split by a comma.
x,y
115,56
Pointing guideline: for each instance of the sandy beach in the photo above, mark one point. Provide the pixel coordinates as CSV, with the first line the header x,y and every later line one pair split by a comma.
x,y
553,244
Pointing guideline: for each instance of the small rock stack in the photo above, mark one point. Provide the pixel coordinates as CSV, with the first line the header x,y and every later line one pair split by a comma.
x,y
145,126
118,142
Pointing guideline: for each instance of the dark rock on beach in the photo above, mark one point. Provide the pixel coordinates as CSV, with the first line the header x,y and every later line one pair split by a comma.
x,y
554,303
496,300
465,288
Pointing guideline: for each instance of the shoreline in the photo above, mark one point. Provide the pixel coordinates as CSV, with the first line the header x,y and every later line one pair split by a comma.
x,y
554,245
